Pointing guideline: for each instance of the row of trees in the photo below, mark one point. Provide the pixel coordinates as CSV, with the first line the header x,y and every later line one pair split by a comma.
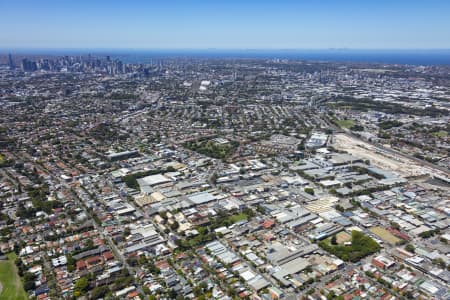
x,y
212,149
86,284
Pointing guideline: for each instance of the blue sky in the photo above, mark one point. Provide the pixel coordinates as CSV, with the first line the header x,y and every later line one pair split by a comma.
x,y
230,24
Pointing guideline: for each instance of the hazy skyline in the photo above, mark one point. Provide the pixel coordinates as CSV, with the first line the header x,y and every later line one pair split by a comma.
x,y
229,24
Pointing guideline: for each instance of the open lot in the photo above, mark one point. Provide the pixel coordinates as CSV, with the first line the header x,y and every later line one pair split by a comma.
x,y
343,237
10,280
345,123
385,235
378,157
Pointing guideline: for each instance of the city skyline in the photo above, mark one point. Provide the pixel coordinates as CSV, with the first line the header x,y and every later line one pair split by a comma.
x,y
230,25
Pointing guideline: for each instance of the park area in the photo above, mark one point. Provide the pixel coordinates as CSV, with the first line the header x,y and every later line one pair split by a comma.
x,y
440,134
361,246
345,123
11,285
385,235
237,218
3,161
212,149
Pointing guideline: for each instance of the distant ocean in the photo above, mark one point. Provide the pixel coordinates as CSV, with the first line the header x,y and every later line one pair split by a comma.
x,y
411,57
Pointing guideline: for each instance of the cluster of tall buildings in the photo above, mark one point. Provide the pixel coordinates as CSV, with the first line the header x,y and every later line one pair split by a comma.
x,y
72,64
28,65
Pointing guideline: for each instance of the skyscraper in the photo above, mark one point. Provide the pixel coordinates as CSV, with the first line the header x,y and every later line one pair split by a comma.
x,y
28,66
11,64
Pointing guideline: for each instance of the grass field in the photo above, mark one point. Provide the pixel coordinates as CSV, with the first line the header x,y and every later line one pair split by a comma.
x,y
238,217
345,123
385,235
12,285
440,134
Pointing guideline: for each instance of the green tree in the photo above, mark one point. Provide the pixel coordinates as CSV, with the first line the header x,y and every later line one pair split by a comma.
x,y
89,244
99,292
439,262
410,248
339,208
331,295
334,240
309,191
81,285
395,225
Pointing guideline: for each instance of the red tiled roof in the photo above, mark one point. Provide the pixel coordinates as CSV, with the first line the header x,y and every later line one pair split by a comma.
x,y
93,260
268,223
108,255
81,265
42,296
132,294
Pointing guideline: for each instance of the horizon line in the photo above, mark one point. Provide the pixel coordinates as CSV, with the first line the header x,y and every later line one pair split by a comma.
x,y
214,49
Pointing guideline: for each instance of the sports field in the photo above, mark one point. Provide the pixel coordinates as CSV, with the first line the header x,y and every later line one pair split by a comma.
x,y
343,237
385,235
12,288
